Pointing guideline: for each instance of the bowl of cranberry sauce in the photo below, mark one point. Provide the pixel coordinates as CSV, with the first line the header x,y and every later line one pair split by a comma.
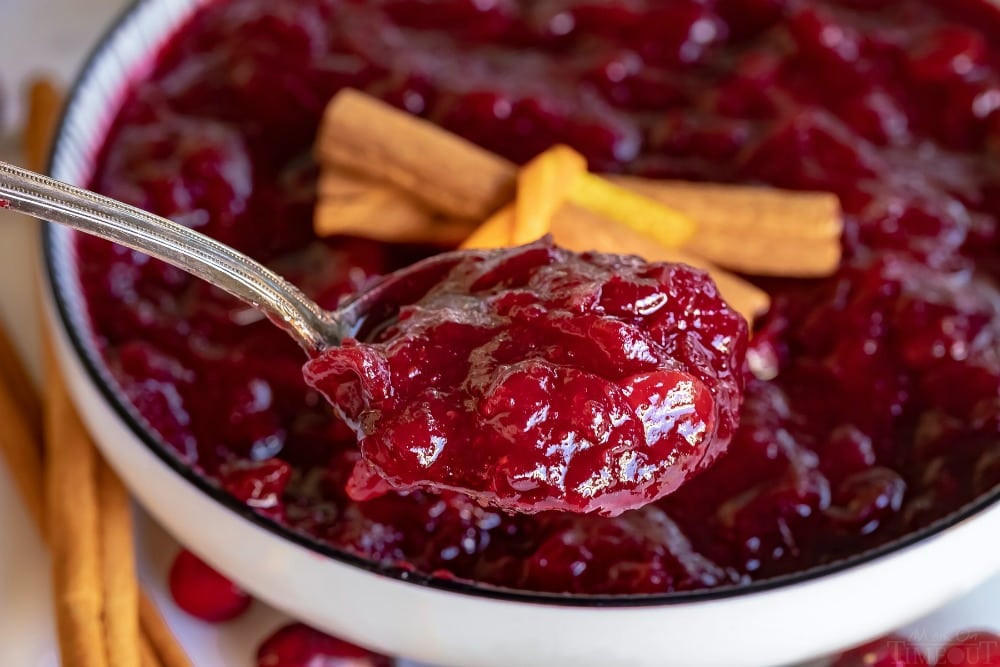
x,y
860,488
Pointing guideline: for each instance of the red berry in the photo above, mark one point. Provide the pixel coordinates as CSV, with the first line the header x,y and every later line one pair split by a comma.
x,y
820,36
204,593
980,648
952,51
866,499
259,484
298,645
888,651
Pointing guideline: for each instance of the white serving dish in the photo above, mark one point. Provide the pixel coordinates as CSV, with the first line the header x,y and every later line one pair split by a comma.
x,y
768,623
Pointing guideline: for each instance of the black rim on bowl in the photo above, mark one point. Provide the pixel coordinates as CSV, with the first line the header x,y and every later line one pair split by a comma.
x,y
57,276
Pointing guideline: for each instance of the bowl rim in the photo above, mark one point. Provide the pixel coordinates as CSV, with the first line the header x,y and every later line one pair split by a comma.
x,y
56,273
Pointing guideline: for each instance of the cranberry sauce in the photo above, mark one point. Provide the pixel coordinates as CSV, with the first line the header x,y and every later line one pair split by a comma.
x,y
535,378
885,411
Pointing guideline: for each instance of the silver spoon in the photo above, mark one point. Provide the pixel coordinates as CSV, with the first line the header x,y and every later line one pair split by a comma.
x,y
314,328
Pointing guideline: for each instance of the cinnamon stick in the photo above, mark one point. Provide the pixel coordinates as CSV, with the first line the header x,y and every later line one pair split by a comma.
x,y
655,221
20,438
26,398
73,523
44,107
147,656
762,231
121,588
72,512
20,406
105,630
353,205
102,616
365,135
157,635
27,472
755,230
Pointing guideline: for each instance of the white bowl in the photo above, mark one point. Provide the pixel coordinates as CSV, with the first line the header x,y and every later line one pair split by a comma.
x,y
443,622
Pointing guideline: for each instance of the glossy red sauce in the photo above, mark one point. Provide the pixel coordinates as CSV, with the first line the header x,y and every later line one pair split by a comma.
x,y
885,412
535,378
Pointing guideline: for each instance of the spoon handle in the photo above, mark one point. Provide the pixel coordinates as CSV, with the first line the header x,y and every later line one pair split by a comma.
x,y
47,199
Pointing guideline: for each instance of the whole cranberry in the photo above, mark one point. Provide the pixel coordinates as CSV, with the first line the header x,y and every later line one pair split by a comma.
x,y
979,647
678,32
411,91
820,36
204,593
298,645
764,518
627,82
888,651
866,499
199,174
808,148
259,484
847,451
877,116
952,51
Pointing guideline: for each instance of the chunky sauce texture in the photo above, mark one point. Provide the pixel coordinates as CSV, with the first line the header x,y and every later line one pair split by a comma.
x,y
885,411
535,378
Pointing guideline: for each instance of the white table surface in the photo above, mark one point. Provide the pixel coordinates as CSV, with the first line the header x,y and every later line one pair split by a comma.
x,y
52,36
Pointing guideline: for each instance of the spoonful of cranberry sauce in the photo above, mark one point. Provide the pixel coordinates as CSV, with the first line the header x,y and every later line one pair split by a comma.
x,y
529,378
